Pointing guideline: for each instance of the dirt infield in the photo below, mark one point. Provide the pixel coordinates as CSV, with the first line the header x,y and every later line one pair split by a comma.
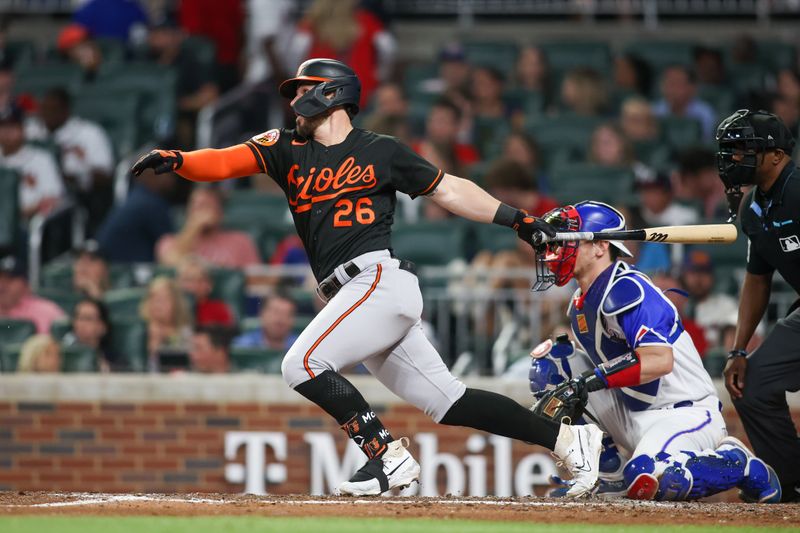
x,y
515,509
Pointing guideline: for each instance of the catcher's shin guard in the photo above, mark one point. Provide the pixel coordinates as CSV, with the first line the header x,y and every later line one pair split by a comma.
x,y
639,475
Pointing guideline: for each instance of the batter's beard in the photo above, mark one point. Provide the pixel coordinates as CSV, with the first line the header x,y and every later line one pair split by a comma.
x,y
306,126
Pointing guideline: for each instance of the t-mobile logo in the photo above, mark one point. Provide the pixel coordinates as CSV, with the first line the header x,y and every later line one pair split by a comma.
x,y
368,416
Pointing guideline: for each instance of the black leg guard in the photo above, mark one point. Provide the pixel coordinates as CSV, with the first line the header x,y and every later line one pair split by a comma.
x,y
340,399
488,411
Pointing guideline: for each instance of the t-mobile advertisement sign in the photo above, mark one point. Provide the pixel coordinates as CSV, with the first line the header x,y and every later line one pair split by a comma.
x,y
266,453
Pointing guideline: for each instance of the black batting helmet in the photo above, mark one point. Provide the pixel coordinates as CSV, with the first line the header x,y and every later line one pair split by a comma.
x,y
331,76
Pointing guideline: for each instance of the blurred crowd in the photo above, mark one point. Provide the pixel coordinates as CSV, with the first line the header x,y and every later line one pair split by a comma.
x,y
537,125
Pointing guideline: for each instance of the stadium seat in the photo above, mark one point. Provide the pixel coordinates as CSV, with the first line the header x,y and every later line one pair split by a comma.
x,y
9,356
20,53
9,207
415,74
777,54
499,55
112,50
661,54
429,243
59,328
531,102
267,204
129,342
153,84
566,55
78,359
56,274
680,132
490,237
582,181
488,135
14,330
229,287
721,99
256,360
562,132
124,303
38,79
714,362
117,113
727,260
64,298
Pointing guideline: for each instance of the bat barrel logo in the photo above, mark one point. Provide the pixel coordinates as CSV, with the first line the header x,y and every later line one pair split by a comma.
x,y
657,237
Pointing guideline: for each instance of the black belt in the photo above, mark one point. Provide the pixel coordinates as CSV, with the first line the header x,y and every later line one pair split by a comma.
x,y
330,286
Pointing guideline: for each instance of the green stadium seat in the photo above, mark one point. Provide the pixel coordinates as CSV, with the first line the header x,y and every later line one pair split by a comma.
x,y
154,86
491,237
654,154
256,360
301,322
56,275
14,330
112,50
21,53
229,287
721,99
746,78
59,328
777,54
661,54
9,356
9,207
583,181
64,298
129,342
124,303
567,131
429,243
203,51
728,259
416,73
714,362
488,135
680,132
499,55
78,359
117,113
566,55
531,102
38,79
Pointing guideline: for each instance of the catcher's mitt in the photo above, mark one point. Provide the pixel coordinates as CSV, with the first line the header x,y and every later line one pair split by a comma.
x,y
565,403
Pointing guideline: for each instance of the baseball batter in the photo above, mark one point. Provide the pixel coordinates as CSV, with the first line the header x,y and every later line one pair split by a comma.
x,y
650,390
341,185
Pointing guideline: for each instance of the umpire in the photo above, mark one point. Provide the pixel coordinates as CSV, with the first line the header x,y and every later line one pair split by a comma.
x,y
755,149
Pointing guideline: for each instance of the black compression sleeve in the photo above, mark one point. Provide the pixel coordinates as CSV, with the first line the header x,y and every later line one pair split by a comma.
x,y
488,411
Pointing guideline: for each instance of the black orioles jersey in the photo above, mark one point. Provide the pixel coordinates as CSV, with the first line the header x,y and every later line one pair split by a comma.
x,y
342,197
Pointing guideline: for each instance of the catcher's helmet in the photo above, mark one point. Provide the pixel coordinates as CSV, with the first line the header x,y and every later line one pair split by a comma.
x,y
741,137
331,76
555,264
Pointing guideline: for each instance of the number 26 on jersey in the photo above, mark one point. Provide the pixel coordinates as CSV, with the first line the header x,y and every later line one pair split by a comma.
x,y
347,210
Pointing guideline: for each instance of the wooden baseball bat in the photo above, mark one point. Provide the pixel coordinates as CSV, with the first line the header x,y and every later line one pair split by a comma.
x,y
697,234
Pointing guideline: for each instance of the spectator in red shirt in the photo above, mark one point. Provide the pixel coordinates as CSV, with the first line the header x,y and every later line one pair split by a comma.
x,y
222,21
195,281
339,29
440,145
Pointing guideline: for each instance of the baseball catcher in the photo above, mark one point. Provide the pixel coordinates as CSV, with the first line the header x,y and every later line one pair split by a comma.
x,y
638,373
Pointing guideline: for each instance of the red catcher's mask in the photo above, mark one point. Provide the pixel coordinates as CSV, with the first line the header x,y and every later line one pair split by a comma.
x,y
555,262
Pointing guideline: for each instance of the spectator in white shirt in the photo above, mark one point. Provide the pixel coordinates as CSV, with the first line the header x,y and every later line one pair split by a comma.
x,y
87,158
40,185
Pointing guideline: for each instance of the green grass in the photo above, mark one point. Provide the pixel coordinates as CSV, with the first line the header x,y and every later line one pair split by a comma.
x,y
255,524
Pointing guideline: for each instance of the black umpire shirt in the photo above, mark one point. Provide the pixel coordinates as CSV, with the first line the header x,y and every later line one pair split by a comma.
x,y
343,196
771,222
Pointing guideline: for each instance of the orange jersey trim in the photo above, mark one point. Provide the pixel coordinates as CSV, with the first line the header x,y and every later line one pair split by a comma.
x,y
339,320
433,184
255,150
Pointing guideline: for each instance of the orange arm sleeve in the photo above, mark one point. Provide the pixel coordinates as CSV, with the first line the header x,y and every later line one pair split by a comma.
x,y
215,165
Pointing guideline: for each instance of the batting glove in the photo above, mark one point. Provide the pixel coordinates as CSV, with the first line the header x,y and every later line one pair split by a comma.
x,y
160,161
530,229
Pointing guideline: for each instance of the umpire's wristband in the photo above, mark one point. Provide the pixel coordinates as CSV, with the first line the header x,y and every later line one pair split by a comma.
x,y
505,215
733,354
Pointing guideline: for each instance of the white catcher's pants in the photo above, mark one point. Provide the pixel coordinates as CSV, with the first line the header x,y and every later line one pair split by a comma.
x,y
375,320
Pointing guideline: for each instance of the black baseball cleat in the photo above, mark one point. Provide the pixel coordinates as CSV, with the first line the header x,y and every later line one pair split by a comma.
x,y
396,468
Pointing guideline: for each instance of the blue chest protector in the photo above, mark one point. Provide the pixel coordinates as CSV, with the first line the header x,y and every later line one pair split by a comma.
x,y
597,325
